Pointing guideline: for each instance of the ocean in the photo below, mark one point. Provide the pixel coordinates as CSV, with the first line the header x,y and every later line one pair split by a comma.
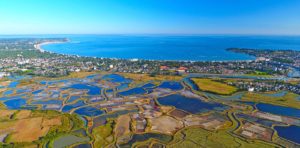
x,y
169,47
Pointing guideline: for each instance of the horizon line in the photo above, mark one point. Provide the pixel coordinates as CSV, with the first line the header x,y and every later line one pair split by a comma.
x,y
171,34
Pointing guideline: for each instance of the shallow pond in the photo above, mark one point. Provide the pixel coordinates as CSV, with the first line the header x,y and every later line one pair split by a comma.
x,y
13,97
9,92
43,82
93,76
67,108
109,91
37,91
15,104
133,91
18,78
190,83
72,99
175,86
29,107
264,122
234,97
149,85
191,105
123,86
68,140
89,111
114,115
115,78
279,110
277,94
144,137
13,84
291,133
58,102
93,90
86,145
80,132
53,82
20,91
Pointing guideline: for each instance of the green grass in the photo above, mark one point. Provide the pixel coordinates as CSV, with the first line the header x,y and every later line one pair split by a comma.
x,y
289,100
259,73
143,78
69,122
101,133
198,137
2,106
213,86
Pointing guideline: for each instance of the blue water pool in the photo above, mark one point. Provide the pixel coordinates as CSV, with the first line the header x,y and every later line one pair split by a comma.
x,y
15,104
71,106
191,105
277,94
13,97
279,110
73,98
149,85
133,91
37,91
13,84
233,97
171,85
291,133
58,102
123,86
93,90
89,111
190,83
115,78
9,92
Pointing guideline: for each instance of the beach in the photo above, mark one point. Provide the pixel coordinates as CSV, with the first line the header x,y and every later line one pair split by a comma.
x,y
39,45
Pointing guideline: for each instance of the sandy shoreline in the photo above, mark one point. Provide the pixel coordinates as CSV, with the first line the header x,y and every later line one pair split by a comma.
x,y
39,46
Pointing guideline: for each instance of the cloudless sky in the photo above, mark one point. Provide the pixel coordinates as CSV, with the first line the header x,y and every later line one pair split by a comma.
x,y
280,17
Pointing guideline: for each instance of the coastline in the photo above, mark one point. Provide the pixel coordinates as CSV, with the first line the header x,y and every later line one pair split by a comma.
x,y
39,45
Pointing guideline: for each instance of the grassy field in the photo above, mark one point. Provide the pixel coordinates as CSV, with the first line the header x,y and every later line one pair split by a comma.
x,y
21,126
6,114
25,128
122,125
294,81
102,134
198,137
142,78
2,106
22,114
259,74
215,87
194,137
290,99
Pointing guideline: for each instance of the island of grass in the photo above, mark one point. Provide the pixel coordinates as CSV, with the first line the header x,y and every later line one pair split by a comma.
x,y
143,78
289,99
213,86
259,73
198,137
35,128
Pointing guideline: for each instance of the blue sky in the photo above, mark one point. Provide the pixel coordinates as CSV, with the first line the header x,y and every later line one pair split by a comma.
x,y
280,17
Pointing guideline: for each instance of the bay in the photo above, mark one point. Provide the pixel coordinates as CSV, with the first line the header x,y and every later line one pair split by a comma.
x,y
173,47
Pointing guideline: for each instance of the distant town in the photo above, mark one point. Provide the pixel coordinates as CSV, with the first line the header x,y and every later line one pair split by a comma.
x,y
25,56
